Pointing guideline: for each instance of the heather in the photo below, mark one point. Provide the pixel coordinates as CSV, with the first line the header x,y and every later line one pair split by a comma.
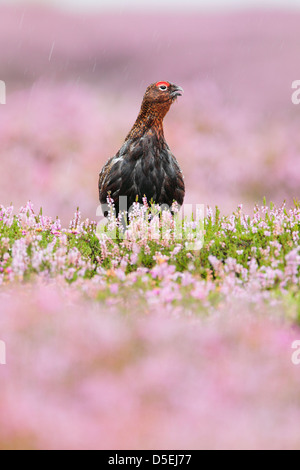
x,y
137,341
72,98
189,262
80,375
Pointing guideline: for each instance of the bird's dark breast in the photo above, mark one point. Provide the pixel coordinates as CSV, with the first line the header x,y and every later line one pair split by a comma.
x,y
144,167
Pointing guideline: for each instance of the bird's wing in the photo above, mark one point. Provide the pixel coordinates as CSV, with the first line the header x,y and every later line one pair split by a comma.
x,y
110,178
173,188
112,175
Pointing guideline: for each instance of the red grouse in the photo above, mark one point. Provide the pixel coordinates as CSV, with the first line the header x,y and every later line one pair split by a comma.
x,y
144,165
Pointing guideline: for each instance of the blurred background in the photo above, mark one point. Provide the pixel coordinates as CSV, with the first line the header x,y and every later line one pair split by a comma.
x,y
76,71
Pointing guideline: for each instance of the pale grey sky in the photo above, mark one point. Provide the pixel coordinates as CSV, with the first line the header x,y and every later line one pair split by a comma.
x,y
162,4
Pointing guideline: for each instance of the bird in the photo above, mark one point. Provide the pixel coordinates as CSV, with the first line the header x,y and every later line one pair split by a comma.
x,y
145,166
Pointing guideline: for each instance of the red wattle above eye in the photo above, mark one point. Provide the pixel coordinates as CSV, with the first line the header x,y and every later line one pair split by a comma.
x,y
167,84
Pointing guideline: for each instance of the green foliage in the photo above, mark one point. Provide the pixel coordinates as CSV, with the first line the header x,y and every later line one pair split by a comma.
x,y
267,240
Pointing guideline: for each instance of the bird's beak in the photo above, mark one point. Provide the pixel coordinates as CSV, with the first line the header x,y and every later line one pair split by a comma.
x,y
176,91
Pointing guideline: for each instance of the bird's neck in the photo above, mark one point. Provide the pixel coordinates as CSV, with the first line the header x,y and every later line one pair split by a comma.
x,y
150,119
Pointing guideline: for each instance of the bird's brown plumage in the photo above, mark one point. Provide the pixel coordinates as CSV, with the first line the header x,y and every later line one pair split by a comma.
x,y
144,165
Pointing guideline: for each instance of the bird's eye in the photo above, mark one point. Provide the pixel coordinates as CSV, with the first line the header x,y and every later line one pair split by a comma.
x,y
163,86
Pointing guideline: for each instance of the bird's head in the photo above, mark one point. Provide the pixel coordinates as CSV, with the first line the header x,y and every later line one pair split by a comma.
x,y
162,93
158,98
156,103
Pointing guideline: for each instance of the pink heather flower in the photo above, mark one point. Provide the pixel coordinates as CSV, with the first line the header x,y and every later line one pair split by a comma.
x,y
27,209
169,292
123,264
186,279
293,263
120,274
230,265
216,264
76,220
114,288
5,243
19,257
6,214
145,202
209,213
199,291
162,271
134,258
176,250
